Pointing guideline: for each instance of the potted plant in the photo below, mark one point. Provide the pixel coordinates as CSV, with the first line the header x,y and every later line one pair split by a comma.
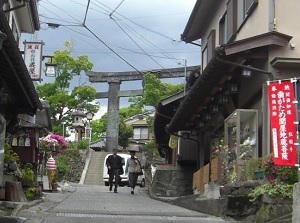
x,y
54,182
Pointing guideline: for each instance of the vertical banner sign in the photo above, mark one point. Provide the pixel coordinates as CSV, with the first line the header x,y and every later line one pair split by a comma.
x,y
282,118
33,59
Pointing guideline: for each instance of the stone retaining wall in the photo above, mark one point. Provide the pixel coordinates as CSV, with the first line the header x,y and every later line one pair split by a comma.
x,y
172,181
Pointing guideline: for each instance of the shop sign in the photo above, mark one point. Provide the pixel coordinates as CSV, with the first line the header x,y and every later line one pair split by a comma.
x,y
33,59
282,119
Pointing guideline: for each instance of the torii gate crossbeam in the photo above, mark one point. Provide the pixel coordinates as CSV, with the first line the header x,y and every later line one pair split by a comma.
x,y
114,80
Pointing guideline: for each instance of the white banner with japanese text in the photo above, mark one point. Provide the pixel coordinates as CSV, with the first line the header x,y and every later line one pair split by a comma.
x,y
33,58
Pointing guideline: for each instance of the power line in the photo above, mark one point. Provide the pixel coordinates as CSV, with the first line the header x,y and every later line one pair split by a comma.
x,y
145,40
110,15
110,48
107,45
87,8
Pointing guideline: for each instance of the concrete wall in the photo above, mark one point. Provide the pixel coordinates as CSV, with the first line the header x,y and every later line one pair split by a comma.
x,y
296,203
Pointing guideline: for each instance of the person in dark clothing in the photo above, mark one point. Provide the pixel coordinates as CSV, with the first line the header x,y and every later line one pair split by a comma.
x,y
114,165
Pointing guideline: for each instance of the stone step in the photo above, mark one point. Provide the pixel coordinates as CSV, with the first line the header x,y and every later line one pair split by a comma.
x,y
95,171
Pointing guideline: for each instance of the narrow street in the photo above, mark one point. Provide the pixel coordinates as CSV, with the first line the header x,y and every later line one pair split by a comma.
x,y
82,203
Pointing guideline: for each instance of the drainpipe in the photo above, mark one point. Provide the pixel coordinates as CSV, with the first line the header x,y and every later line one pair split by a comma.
x,y
272,16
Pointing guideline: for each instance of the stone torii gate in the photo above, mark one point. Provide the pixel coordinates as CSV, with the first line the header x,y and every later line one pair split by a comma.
x,y
114,80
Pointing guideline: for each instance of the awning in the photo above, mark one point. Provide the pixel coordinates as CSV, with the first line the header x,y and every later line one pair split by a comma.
x,y
217,73
15,79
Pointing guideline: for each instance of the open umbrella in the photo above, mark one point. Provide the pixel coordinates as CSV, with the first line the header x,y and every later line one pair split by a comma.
x,y
136,148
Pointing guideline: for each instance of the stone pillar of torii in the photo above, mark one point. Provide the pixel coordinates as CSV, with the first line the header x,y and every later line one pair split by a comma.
x,y
114,80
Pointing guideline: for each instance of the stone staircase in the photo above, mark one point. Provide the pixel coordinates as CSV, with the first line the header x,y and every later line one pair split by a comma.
x,y
94,173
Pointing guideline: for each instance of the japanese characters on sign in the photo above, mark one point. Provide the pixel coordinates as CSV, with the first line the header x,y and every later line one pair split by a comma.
x,y
282,119
33,59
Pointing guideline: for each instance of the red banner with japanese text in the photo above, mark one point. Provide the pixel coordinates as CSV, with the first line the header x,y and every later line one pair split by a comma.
x,y
282,119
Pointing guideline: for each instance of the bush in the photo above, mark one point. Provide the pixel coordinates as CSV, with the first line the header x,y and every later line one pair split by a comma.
x,y
280,189
253,164
280,183
273,172
9,154
83,144
30,192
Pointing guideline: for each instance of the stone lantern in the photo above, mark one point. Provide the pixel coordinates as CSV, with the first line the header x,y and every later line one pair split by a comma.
x,y
78,124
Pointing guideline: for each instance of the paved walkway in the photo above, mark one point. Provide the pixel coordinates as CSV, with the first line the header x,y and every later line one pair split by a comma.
x,y
77,203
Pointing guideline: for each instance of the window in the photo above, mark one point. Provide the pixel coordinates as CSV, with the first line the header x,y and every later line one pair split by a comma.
x,y
204,57
223,29
140,133
231,19
211,44
236,14
244,9
209,49
250,5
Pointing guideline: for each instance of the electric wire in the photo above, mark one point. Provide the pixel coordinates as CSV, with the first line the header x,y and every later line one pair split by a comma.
x,y
97,37
47,1
87,8
103,41
107,13
170,57
150,30
129,64
110,15
89,43
143,49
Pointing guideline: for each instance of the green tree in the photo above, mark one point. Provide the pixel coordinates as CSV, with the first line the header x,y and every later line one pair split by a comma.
x,y
125,132
62,100
155,90
98,127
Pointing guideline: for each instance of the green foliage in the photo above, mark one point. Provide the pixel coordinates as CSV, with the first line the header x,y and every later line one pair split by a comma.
x,y
30,192
280,180
253,164
279,189
9,154
125,132
150,123
98,127
155,90
28,177
152,149
62,164
62,102
130,111
273,172
83,144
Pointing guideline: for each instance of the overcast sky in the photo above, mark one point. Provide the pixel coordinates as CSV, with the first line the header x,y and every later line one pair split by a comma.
x,y
120,35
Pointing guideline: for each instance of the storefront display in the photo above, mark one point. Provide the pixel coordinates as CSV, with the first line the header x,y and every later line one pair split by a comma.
x,y
241,133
